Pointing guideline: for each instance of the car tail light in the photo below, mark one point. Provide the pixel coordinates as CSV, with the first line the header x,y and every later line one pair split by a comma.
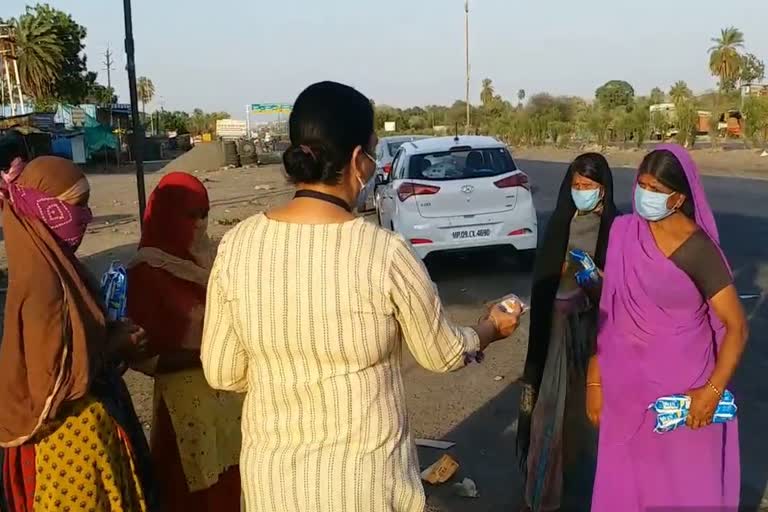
x,y
516,180
387,168
407,190
420,241
519,232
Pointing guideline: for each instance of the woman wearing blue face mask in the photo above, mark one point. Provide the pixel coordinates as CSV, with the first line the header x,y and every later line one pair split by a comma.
x,y
670,322
556,443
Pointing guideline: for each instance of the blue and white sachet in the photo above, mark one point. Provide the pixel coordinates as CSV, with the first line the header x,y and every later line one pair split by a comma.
x,y
672,411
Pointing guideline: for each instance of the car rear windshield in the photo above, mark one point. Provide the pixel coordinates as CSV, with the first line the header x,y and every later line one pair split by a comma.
x,y
394,146
460,163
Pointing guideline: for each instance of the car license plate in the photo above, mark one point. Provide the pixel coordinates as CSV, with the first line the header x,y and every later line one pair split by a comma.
x,y
468,234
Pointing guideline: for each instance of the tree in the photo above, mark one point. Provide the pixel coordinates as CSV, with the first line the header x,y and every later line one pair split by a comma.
x,y
520,97
200,122
615,93
657,96
487,92
101,95
680,92
73,82
752,69
687,120
40,53
756,119
725,61
175,121
146,90
417,123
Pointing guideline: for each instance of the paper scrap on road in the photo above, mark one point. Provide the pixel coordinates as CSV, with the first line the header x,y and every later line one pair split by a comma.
x,y
441,471
466,488
434,443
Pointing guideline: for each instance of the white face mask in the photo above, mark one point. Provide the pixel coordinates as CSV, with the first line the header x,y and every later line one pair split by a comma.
x,y
365,187
652,206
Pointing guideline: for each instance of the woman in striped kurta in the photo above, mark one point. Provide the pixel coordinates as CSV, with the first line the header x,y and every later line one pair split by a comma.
x,y
307,310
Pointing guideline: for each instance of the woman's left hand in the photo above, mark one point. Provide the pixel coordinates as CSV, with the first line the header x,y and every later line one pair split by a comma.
x,y
127,339
704,402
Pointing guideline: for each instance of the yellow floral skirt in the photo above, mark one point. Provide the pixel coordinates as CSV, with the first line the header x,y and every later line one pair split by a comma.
x,y
85,464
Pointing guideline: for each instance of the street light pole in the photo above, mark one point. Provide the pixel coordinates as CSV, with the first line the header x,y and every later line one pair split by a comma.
x,y
466,48
138,129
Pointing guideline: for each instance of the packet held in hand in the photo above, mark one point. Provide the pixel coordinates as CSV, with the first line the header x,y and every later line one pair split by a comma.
x,y
588,275
513,305
114,290
672,411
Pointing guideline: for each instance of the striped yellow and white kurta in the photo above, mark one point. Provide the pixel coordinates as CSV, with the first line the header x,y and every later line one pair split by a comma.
x,y
309,320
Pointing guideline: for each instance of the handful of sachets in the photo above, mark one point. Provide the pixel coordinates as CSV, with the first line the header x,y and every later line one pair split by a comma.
x,y
588,275
114,291
672,411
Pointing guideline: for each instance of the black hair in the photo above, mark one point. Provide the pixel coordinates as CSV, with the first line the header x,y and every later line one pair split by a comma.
x,y
665,167
12,146
593,166
547,272
329,120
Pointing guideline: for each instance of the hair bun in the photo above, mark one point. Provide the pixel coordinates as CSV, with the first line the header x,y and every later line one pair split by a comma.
x,y
306,163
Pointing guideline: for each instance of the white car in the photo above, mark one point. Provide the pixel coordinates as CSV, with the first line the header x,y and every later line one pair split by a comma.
x,y
458,193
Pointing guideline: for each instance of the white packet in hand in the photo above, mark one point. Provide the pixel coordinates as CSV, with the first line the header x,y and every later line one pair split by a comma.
x,y
514,305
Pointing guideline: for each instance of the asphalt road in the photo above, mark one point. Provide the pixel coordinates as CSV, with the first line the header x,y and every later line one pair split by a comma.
x,y
477,407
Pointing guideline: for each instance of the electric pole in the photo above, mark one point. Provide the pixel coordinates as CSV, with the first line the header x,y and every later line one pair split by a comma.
x,y
108,66
138,129
466,48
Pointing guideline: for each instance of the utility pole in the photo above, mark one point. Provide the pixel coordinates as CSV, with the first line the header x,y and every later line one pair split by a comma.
x,y
108,66
138,129
466,48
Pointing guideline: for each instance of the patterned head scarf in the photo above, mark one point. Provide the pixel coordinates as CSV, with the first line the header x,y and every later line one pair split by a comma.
x,y
53,320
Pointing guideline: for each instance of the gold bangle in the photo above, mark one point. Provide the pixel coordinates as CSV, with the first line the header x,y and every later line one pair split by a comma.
x,y
714,388
594,385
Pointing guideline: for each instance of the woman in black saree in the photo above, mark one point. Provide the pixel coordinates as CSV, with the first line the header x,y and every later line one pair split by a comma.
x,y
556,443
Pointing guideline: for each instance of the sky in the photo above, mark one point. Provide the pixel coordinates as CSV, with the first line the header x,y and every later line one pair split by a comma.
x,y
226,54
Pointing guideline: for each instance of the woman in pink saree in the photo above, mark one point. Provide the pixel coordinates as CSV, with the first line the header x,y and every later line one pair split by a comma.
x,y
670,322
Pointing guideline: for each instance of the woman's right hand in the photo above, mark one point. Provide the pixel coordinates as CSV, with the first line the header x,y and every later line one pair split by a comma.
x,y
594,404
505,323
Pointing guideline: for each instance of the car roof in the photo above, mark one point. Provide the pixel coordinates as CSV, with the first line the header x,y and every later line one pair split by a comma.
x,y
435,144
402,138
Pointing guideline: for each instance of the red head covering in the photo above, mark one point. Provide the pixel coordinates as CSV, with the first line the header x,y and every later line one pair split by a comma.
x,y
178,202
166,294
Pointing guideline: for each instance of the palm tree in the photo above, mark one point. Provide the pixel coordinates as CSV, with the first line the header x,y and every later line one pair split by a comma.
x,y
724,58
146,90
40,54
487,92
680,92
521,96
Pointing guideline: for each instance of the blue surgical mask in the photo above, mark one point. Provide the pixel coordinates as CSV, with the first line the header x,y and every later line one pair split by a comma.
x,y
652,206
586,200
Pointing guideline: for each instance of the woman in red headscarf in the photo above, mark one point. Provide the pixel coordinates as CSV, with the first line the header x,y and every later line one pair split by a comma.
x,y
195,437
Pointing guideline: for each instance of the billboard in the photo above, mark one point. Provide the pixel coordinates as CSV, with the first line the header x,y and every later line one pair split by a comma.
x,y
271,108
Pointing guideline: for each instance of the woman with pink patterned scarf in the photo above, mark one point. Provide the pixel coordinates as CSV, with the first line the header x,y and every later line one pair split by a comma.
x,y
70,434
